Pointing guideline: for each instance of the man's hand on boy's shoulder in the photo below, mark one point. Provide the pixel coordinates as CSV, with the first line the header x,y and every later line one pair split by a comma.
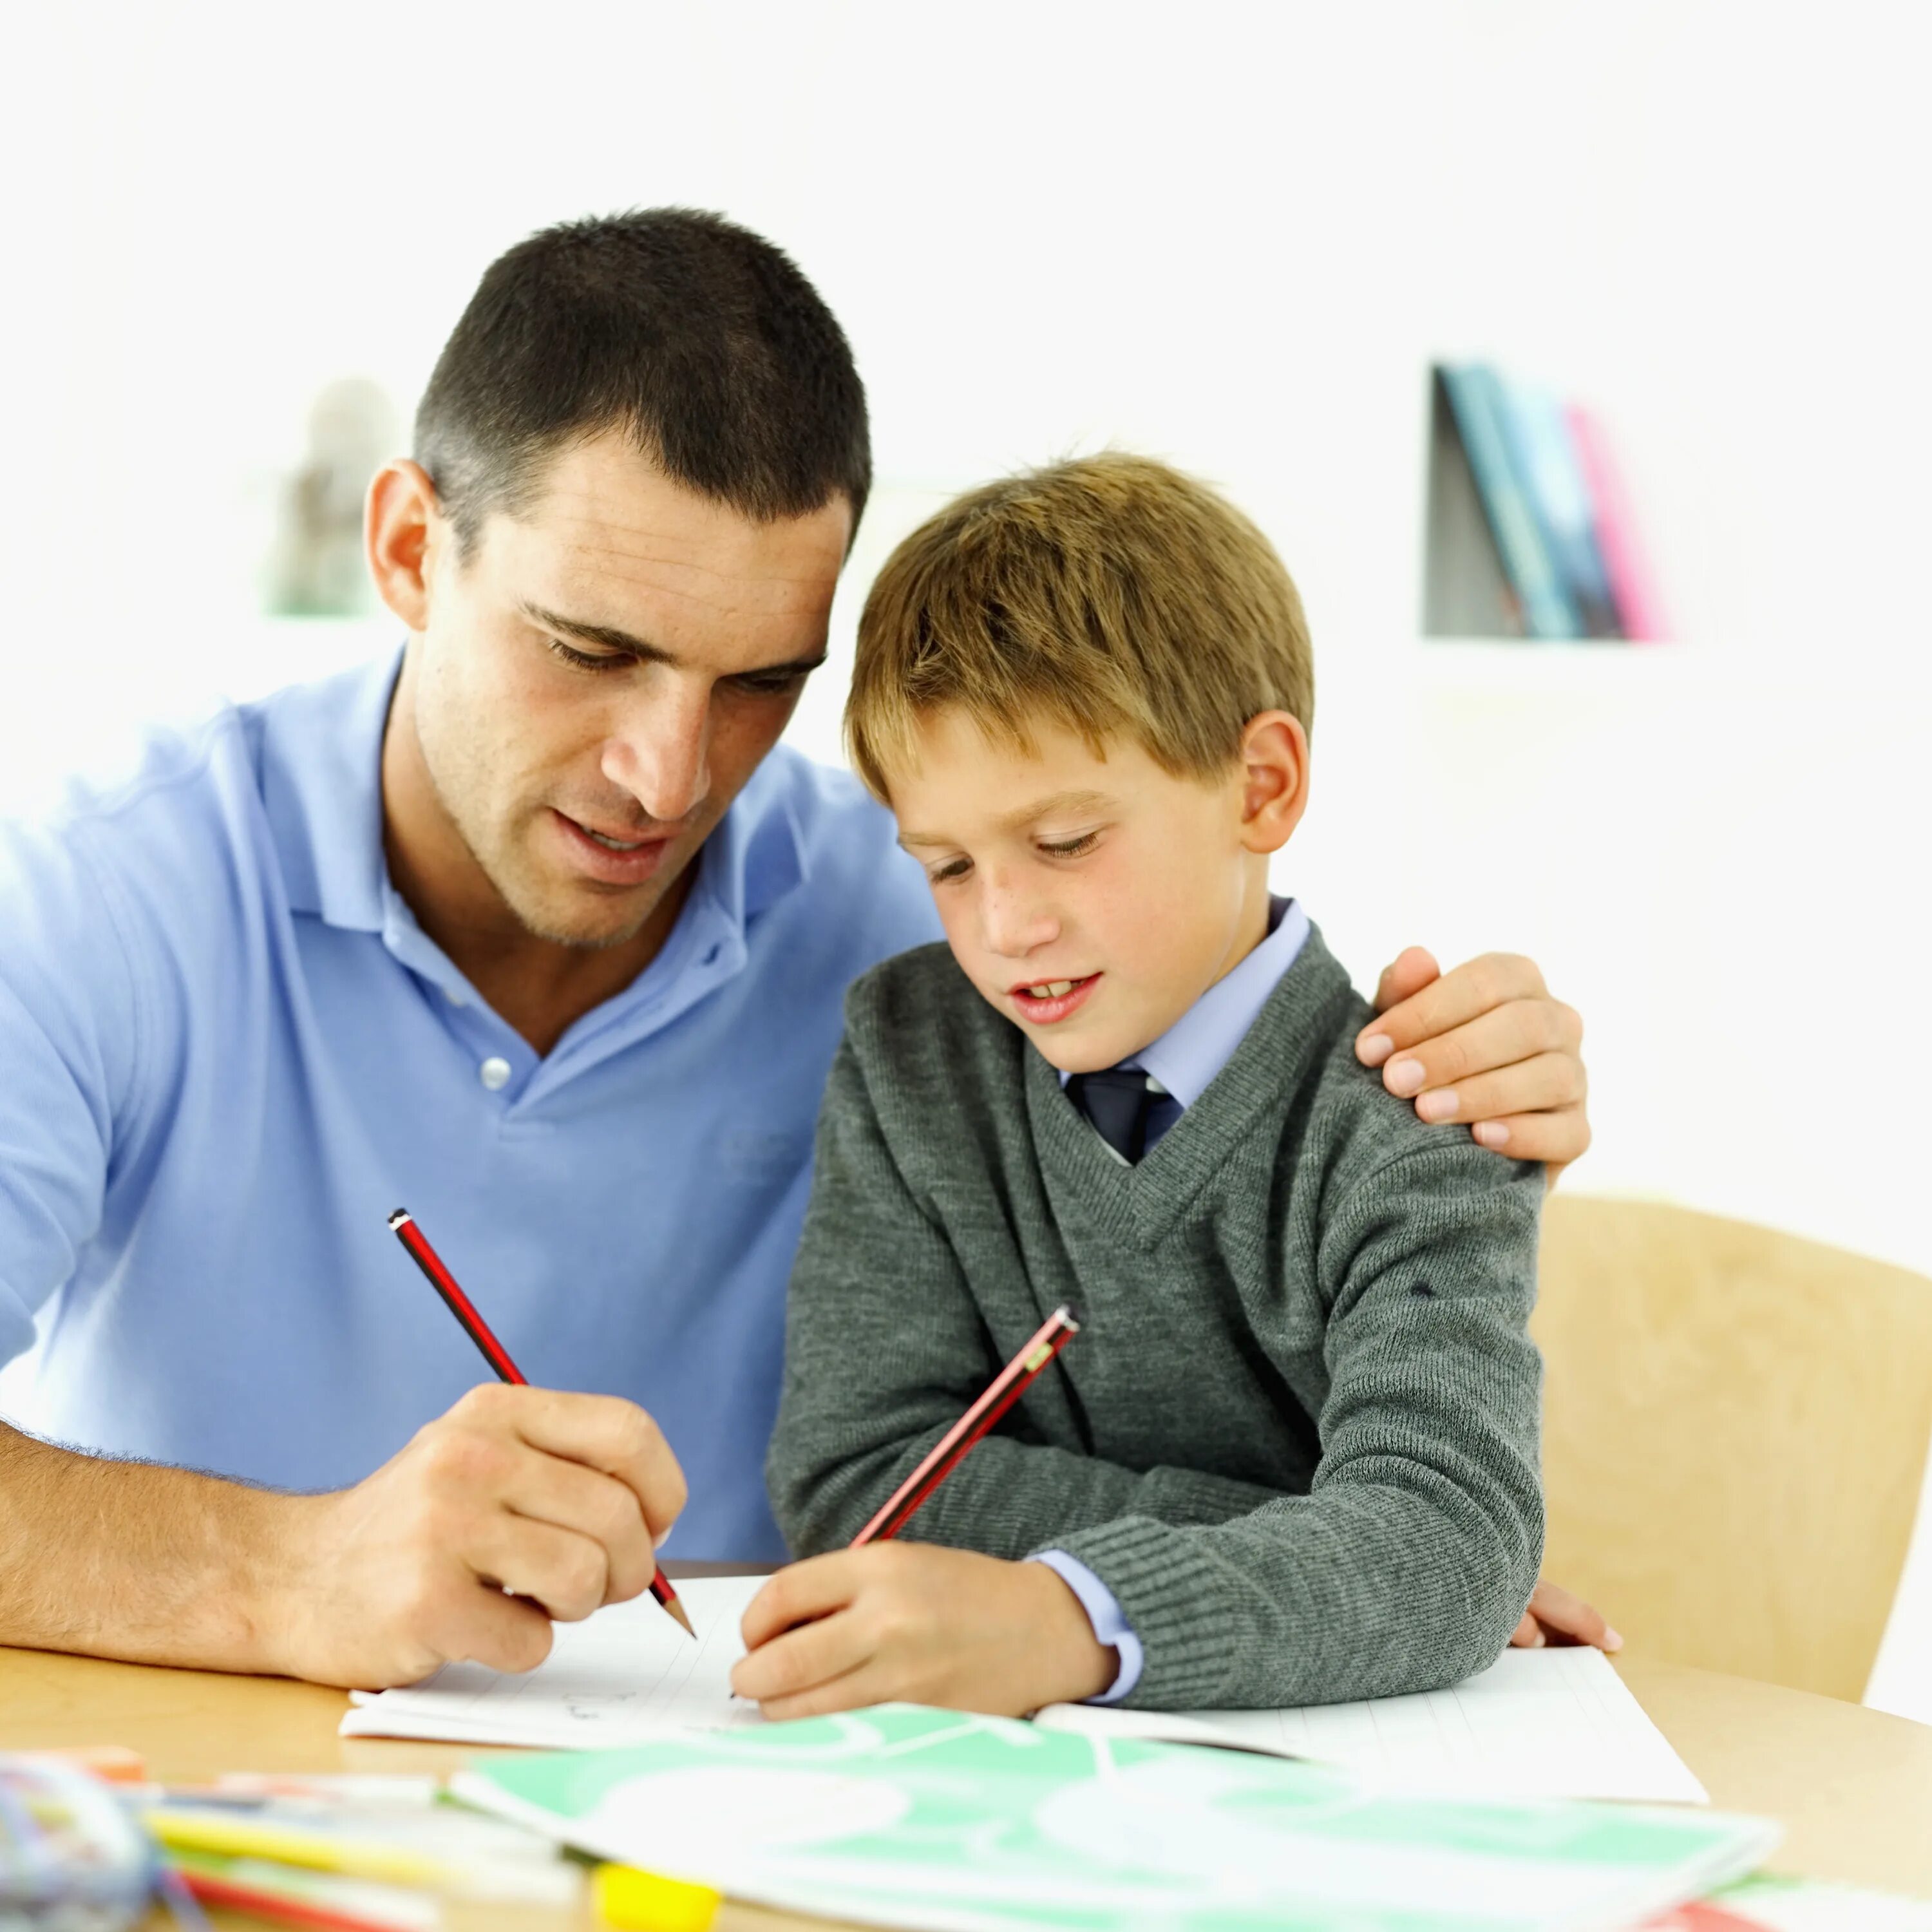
x,y
1485,1045
916,1623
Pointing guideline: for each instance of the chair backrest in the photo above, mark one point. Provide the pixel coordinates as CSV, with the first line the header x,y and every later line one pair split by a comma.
x,y
1736,1428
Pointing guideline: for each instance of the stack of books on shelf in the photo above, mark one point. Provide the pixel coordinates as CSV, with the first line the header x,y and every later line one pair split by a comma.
x,y
1529,528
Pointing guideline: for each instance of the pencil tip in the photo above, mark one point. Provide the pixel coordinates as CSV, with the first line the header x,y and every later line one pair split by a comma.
x,y
677,1609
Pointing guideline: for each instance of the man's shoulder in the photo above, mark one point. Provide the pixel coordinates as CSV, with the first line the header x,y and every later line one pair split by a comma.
x,y
160,819
187,830
832,812
859,884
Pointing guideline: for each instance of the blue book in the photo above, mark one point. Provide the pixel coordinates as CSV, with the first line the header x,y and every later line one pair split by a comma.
x,y
1536,428
1476,398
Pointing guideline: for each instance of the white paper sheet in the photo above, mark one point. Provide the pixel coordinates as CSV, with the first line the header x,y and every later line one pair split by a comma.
x,y
1538,1723
1546,1724
622,1676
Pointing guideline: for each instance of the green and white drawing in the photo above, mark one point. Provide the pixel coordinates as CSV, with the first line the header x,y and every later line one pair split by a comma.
x,y
906,1816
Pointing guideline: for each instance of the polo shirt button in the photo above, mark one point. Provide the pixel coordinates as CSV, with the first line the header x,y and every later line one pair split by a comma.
x,y
494,1072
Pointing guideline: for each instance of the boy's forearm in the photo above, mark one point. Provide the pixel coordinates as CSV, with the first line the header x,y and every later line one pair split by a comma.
x,y
128,1560
1367,1590
1007,1499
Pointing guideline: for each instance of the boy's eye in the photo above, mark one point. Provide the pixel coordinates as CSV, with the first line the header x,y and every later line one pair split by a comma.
x,y
953,869
1069,848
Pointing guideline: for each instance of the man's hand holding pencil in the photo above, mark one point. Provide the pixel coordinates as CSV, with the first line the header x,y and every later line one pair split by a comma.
x,y
520,1505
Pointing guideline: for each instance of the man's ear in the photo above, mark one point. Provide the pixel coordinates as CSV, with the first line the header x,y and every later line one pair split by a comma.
x,y
402,525
1274,780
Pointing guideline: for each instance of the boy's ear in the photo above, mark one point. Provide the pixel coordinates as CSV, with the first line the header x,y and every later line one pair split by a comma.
x,y
1274,780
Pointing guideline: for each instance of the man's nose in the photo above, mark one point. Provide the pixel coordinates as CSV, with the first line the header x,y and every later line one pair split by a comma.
x,y
661,754
1012,921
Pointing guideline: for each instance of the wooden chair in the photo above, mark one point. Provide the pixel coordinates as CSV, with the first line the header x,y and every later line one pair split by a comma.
x,y
1735,1428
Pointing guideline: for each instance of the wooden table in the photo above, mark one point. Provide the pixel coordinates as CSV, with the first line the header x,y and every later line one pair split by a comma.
x,y
1852,1787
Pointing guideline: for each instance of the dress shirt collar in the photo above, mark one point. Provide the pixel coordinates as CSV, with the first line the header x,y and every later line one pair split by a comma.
x,y
1185,1059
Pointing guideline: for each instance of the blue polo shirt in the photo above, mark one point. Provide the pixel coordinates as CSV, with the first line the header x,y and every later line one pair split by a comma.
x,y
227,1050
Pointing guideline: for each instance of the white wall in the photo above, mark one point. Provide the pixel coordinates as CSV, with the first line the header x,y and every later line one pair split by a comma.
x,y
1232,235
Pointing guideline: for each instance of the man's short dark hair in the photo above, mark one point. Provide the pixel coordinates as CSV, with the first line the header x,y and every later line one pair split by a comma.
x,y
695,337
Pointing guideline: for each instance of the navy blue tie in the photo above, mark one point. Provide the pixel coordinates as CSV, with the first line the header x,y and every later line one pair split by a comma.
x,y
1117,1100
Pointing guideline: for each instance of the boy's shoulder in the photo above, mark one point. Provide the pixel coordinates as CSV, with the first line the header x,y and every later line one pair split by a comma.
x,y
941,1071
919,1013
1339,1117
916,1019
1292,1097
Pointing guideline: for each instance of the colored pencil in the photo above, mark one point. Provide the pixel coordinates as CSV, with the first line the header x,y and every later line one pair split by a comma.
x,y
1006,1388
403,1225
296,1896
353,1850
314,1848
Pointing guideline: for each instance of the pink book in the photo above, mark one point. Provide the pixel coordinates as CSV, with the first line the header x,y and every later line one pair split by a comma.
x,y
1626,563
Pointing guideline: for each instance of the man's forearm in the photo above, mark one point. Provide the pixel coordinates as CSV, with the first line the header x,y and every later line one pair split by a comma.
x,y
130,1560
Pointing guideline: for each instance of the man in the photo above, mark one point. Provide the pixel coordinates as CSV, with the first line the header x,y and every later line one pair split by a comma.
x,y
540,934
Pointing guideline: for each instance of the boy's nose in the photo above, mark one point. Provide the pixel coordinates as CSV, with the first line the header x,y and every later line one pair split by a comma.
x,y
1011,925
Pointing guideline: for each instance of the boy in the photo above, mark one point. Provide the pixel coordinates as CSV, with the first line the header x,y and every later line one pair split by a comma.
x,y
1291,1457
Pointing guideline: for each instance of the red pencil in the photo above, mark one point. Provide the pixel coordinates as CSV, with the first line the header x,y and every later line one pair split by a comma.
x,y
440,1279
234,1894
947,1454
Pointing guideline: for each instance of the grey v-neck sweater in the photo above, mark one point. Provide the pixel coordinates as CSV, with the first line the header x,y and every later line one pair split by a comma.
x,y
1296,1436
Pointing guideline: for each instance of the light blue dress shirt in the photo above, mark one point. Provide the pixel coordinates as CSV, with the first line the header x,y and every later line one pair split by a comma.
x,y
1183,1063
227,1051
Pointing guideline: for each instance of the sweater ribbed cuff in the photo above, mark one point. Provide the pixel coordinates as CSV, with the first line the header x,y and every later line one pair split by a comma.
x,y
1166,1593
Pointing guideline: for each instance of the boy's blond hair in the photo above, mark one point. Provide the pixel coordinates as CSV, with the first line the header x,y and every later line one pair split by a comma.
x,y
1110,595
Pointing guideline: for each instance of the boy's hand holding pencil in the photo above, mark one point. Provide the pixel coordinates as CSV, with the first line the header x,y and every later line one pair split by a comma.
x,y
883,1621
919,1624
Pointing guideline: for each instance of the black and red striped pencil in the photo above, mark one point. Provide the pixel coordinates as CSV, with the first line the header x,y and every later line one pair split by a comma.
x,y
947,1454
426,1258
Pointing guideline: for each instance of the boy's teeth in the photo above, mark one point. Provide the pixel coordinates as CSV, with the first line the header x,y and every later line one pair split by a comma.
x,y
614,844
1052,990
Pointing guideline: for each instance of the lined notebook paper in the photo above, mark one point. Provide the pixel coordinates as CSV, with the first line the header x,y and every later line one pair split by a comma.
x,y
1542,1723
1538,1723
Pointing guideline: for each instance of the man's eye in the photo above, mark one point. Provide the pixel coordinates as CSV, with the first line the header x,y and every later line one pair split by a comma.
x,y
769,683
588,660
1072,848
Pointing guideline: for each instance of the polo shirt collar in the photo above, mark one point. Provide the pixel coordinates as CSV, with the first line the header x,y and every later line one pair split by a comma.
x,y
321,788
756,853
